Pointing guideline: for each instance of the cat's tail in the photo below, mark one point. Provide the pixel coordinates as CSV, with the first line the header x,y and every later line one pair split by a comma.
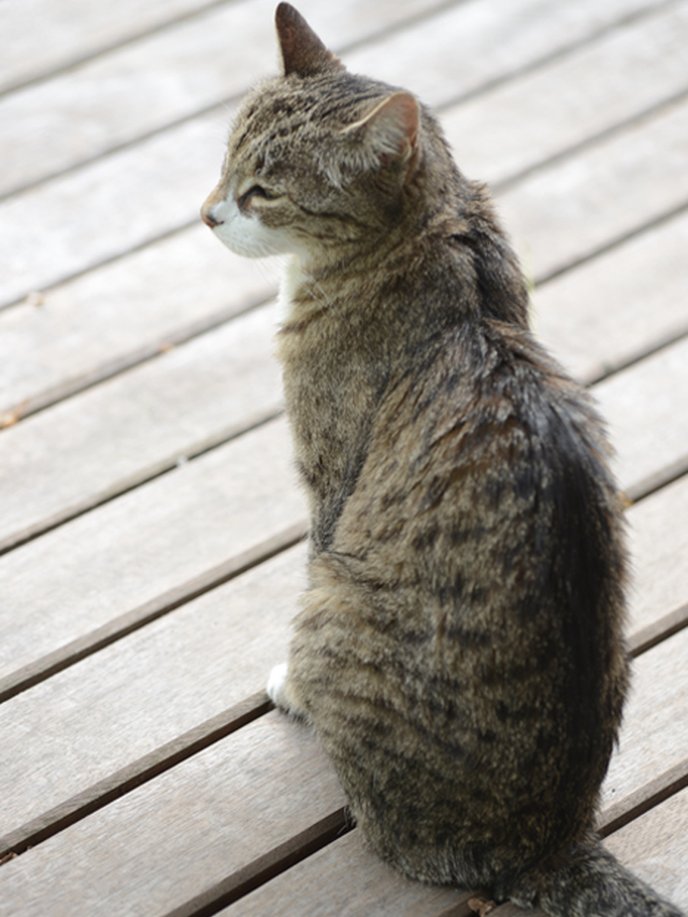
x,y
592,883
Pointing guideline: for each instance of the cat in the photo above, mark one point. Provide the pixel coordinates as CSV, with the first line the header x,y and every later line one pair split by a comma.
x,y
459,649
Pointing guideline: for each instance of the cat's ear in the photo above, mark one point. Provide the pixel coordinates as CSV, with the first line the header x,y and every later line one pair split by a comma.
x,y
302,51
390,128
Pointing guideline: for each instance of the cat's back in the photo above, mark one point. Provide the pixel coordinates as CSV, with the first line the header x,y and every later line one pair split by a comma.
x,y
486,496
478,564
481,423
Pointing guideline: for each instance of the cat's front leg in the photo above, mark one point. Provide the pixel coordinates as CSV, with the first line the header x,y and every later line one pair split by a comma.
x,y
281,691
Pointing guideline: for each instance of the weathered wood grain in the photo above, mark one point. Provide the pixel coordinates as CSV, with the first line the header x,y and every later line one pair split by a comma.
x,y
237,647
654,735
138,702
647,418
475,44
137,425
655,846
123,202
571,99
40,36
145,552
619,306
345,878
106,320
607,191
257,788
192,827
658,542
147,172
195,65
171,75
134,426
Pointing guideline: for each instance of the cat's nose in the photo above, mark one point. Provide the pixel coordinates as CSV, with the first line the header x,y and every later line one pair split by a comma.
x,y
208,217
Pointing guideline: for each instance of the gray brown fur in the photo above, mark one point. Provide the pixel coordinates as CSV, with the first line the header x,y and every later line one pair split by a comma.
x,y
459,650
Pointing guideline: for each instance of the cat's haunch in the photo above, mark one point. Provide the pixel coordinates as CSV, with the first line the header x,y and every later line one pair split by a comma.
x,y
459,647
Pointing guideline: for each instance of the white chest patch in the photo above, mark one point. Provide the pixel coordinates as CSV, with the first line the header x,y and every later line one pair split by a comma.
x,y
292,278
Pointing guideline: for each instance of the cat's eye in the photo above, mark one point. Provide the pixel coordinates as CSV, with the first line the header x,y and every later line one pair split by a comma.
x,y
256,191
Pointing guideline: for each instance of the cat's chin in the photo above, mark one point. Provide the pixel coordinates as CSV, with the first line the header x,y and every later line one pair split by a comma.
x,y
248,248
248,245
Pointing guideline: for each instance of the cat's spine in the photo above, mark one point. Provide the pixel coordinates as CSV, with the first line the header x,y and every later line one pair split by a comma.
x,y
592,883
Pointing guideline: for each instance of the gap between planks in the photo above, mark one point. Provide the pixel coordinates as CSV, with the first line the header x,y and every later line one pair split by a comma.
x,y
197,739
138,618
223,317
268,866
167,601
192,331
217,106
223,438
72,63
665,475
516,71
280,859
143,770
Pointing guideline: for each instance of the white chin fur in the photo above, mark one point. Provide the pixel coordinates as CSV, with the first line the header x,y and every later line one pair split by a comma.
x,y
246,235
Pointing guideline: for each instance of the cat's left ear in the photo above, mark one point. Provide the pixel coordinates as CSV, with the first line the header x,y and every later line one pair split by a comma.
x,y
390,129
302,51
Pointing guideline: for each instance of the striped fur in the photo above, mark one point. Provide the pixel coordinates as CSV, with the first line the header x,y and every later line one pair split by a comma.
x,y
459,649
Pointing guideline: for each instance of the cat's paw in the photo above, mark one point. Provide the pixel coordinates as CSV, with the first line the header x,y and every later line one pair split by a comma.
x,y
281,693
277,686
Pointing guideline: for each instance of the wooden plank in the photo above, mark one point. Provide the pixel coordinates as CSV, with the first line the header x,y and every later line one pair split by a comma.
x,y
655,847
40,36
237,648
154,305
192,827
257,788
658,542
648,419
345,878
103,322
135,704
612,310
133,558
654,736
475,44
179,539
134,426
607,191
148,171
534,117
61,247
73,315
164,78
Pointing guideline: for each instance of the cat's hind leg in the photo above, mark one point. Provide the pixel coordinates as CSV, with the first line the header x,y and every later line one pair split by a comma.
x,y
281,692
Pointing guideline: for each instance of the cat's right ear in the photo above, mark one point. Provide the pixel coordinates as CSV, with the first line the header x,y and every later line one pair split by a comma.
x,y
302,51
390,129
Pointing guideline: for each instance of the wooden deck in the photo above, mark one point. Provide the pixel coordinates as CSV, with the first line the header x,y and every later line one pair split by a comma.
x,y
150,526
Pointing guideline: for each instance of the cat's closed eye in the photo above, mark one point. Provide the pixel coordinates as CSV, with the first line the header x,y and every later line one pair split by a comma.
x,y
256,191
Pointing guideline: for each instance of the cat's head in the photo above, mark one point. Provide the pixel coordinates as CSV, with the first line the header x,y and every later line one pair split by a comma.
x,y
318,159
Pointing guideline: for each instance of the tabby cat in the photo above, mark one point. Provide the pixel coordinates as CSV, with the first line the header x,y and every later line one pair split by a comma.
x,y
459,647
